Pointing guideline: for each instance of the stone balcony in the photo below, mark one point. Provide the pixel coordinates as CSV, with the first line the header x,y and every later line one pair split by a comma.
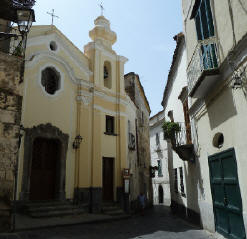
x,y
203,69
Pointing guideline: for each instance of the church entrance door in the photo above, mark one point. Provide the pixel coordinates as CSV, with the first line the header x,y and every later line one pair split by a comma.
x,y
44,168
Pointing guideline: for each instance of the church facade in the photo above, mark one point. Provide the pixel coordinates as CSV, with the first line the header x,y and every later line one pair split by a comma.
x,y
75,116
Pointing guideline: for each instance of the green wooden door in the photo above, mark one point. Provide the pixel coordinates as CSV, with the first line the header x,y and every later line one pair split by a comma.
x,y
226,195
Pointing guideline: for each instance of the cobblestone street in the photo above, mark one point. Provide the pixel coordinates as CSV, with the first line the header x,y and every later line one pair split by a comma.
x,y
156,223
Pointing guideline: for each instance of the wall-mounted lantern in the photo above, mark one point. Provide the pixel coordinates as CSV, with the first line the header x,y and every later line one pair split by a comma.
x,y
25,18
77,142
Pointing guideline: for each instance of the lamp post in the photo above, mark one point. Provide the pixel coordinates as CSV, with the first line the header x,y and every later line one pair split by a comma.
x,y
25,18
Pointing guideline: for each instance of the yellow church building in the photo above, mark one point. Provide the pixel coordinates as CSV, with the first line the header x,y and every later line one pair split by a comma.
x,y
75,119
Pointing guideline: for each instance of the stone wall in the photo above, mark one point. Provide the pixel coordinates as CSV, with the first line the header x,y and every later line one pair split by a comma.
x,y
10,115
142,181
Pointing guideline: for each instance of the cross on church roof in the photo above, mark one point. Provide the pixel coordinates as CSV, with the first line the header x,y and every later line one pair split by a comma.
x,y
102,8
52,16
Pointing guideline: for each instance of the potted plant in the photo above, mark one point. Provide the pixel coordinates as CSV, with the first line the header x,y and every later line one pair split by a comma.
x,y
170,129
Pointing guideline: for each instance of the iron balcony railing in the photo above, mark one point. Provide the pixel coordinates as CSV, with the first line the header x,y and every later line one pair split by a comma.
x,y
205,58
183,137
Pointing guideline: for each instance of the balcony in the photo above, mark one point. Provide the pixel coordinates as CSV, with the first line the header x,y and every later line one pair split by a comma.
x,y
181,142
203,69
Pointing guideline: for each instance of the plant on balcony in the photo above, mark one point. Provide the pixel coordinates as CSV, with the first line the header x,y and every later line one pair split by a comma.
x,y
170,129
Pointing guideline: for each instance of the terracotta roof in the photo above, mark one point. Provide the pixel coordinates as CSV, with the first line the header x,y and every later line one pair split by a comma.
x,y
179,38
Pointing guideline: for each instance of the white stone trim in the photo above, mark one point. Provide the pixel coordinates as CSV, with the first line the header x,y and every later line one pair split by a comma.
x,y
85,99
105,52
61,80
86,84
111,99
122,59
109,112
41,40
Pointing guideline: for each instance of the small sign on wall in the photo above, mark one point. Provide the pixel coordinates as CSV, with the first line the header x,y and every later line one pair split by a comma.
x,y
126,185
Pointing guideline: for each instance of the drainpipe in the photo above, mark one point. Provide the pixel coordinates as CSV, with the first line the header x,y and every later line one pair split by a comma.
x,y
16,167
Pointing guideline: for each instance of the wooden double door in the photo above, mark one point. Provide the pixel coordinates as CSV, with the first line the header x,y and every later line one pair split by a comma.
x,y
44,177
108,177
227,201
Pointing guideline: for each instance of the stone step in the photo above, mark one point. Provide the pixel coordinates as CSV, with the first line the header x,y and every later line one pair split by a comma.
x,y
42,209
115,213
57,213
36,204
112,209
51,208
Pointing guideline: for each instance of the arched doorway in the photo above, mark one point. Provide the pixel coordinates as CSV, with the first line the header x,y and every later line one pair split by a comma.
x,y
161,195
44,170
44,142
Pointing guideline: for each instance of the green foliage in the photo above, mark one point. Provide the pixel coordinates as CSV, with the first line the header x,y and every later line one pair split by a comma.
x,y
18,51
170,129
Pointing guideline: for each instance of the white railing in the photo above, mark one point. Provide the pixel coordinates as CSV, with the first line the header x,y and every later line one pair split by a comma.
x,y
205,58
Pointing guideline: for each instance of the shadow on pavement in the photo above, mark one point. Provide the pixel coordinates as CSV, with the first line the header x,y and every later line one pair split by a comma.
x,y
158,219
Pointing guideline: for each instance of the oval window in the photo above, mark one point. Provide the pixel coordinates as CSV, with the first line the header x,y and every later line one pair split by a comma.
x,y
218,140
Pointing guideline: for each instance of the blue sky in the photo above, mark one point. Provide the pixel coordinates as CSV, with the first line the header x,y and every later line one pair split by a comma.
x,y
144,28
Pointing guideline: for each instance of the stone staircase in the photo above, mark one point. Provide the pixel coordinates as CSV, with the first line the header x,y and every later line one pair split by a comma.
x,y
112,209
43,209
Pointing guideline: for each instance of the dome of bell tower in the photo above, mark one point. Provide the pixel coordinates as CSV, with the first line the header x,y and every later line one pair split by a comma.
x,y
102,32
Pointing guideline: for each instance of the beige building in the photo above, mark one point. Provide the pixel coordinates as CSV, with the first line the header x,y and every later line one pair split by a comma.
x,y
69,94
216,37
75,115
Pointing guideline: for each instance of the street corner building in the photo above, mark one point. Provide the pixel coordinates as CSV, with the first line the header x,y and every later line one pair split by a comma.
x,y
79,124
209,77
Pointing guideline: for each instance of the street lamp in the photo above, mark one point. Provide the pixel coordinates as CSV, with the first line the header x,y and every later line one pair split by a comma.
x,y
25,18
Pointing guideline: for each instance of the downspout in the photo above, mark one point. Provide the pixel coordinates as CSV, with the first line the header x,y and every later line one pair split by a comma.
x,y
118,116
92,142
77,151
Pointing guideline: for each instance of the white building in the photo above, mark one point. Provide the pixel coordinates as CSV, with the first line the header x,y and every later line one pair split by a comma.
x,y
216,44
175,110
159,159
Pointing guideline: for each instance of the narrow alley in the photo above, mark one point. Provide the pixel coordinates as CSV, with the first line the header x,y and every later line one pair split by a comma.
x,y
157,222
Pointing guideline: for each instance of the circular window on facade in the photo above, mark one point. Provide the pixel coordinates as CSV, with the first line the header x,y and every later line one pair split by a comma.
x,y
51,80
218,140
53,46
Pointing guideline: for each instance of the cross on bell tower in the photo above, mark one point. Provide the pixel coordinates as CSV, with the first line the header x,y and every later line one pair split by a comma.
x,y
102,8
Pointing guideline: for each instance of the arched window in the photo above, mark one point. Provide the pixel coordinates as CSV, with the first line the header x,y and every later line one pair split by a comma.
x,y
107,75
51,80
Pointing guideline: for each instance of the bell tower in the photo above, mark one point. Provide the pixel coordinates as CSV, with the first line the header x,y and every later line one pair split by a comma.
x,y
107,66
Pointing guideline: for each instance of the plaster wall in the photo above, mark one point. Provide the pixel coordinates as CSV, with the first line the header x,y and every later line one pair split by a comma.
x,y
159,152
213,118
179,80
223,110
